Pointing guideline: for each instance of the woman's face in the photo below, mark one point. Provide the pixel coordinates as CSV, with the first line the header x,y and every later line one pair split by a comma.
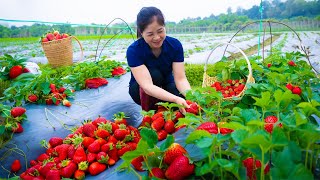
x,y
154,34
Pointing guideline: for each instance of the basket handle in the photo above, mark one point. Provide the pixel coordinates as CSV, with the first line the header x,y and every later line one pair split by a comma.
x,y
250,76
82,57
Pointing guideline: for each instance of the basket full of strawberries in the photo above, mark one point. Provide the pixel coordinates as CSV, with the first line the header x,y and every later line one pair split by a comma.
x,y
58,48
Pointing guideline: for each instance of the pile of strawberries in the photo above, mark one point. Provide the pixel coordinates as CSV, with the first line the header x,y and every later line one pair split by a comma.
x,y
294,89
176,164
54,35
92,148
163,121
230,87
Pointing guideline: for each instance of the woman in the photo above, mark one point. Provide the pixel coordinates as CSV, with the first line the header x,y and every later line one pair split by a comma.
x,y
156,61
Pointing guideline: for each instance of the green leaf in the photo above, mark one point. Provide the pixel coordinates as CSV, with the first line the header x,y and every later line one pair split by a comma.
x,y
249,114
300,118
205,168
205,142
150,136
239,135
264,101
257,140
300,172
278,137
167,143
45,88
2,129
196,135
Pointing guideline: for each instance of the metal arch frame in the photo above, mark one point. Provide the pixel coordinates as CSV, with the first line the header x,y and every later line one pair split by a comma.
x,y
302,47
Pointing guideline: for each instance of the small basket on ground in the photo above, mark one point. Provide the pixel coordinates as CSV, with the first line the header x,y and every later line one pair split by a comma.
x,y
209,81
60,52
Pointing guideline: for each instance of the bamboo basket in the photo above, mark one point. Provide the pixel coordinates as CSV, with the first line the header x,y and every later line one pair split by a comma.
x,y
208,81
60,52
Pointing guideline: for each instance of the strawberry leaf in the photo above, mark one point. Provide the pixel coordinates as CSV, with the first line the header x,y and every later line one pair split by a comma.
x,y
150,136
169,140
197,135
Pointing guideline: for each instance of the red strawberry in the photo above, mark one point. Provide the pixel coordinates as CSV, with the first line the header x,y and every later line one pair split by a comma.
x,y
173,152
25,70
157,172
94,147
113,154
46,168
15,71
123,150
32,98
17,111
146,121
88,129
296,90
120,118
79,174
42,157
96,168
15,166
99,120
156,116
178,115
91,157
62,151
270,120
158,124
106,147
137,163
251,166
194,108
55,32
68,170
50,36
118,71
289,86
80,155
102,157
102,133
121,133
211,127
269,65
112,139
87,141
169,126
162,134
18,129
44,39
224,130
292,63
67,103
55,141
65,35
49,101
53,174
180,168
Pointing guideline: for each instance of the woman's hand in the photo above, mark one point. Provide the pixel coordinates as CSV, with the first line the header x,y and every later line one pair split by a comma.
x,y
182,102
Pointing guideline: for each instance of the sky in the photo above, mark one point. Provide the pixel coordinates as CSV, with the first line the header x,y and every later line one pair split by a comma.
x,y
104,11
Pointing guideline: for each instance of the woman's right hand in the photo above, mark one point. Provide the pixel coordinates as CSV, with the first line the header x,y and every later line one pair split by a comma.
x,y
182,102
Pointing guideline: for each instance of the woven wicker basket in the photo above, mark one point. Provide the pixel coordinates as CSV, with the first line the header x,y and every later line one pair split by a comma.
x,y
208,81
60,52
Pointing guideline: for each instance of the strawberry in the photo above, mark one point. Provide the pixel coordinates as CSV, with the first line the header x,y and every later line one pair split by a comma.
x,y
94,147
106,147
291,63
96,168
18,129
91,157
211,127
112,139
68,168
269,121
67,103
102,133
111,162
178,115
42,157
194,108
118,71
64,35
169,126
113,154
99,120
173,152
50,36
53,174
58,36
251,166
86,141
121,133
137,163
102,157
180,168
224,130
55,141
25,70
269,65
158,124
44,39
17,111
120,118
289,86
49,101
15,71
88,129
46,168
157,172
79,174
62,151
32,98
296,90
15,166
80,155
123,150
55,32
162,134
146,121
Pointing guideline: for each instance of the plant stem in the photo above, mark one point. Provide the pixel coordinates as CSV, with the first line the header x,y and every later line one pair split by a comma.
x,y
306,160
262,164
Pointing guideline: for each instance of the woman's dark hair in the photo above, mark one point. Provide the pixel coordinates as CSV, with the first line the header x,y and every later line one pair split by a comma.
x,y
145,17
